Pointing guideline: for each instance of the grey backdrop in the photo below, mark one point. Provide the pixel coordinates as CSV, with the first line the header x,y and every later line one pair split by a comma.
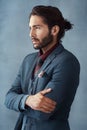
x,y
15,44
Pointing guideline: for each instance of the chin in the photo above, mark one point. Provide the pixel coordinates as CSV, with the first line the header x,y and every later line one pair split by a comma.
x,y
36,47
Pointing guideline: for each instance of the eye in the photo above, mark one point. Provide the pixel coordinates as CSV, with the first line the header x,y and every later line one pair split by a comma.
x,y
37,27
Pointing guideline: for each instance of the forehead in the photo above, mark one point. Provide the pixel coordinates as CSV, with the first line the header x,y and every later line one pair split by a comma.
x,y
36,20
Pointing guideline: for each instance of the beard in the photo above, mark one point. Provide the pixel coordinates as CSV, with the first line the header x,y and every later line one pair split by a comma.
x,y
45,41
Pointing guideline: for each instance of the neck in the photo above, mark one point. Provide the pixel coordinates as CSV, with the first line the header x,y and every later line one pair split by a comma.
x,y
48,47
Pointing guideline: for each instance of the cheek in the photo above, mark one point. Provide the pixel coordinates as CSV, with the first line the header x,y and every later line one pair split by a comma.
x,y
39,33
42,34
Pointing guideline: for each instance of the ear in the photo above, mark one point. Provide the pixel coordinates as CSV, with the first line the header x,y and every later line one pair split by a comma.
x,y
55,30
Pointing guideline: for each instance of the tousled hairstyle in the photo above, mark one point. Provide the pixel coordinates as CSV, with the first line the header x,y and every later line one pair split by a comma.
x,y
52,16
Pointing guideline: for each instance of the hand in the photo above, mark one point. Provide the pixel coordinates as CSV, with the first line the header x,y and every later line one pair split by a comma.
x,y
41,102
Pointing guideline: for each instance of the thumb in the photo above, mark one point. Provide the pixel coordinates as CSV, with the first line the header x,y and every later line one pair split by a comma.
x,y
43,92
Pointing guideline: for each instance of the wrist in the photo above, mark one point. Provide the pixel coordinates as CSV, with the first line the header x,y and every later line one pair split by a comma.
x,y
27,102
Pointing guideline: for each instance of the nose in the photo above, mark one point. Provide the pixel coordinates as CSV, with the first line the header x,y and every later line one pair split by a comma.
x,y
32,32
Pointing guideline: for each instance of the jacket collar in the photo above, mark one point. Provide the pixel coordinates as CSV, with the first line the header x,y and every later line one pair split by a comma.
x,y
50,58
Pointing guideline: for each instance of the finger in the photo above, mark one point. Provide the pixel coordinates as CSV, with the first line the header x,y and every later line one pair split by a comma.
x,y
50,104
49,107
46,109
46,91
49,101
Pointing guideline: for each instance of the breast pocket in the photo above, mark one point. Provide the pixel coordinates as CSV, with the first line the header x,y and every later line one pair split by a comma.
x,y
43,81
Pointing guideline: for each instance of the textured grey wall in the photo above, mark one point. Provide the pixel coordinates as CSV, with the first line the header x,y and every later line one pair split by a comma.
x,y
15,44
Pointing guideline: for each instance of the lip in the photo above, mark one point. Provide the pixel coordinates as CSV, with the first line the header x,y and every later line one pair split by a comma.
x,y
34,41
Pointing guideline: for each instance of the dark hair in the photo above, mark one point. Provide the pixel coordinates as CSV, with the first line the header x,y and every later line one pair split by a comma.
x,y
52,16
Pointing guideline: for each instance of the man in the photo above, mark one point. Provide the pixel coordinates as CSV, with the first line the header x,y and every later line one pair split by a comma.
x,y
47,81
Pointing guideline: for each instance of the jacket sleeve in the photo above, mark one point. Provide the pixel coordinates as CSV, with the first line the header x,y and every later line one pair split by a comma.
x,y
64,82
15,99
16,96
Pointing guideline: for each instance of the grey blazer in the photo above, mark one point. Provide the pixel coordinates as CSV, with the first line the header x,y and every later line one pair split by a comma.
x,y
61,73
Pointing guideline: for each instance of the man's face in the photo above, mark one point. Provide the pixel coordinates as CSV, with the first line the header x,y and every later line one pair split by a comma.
x,y
39,32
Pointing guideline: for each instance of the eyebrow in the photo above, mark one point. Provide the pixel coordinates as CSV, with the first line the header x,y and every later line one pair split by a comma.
x,y
35,26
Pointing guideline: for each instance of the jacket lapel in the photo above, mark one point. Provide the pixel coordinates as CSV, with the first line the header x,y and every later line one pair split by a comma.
x,y
46,63
50,58
30,70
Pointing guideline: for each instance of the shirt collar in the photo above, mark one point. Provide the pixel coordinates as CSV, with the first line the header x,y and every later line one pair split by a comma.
x,y
45,55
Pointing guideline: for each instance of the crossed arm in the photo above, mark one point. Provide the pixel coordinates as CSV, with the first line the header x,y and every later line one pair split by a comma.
x,y
40,102
65,80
